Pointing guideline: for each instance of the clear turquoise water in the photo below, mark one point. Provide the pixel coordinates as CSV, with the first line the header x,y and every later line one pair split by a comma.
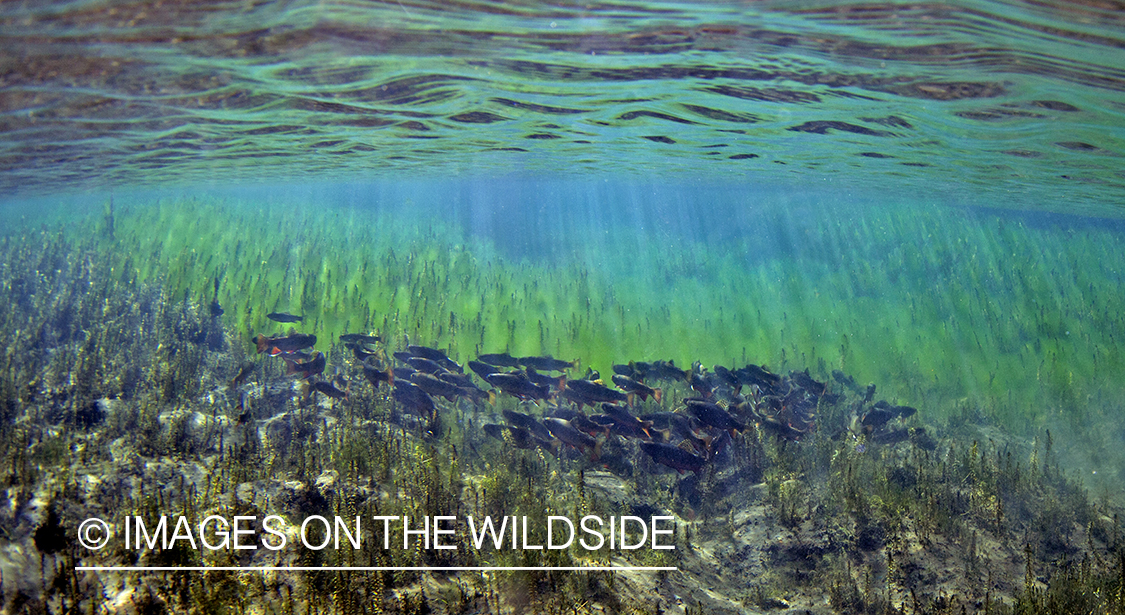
x,y
1015,105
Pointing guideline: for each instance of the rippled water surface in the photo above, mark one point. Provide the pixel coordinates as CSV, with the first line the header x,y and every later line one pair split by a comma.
x,y
1012,104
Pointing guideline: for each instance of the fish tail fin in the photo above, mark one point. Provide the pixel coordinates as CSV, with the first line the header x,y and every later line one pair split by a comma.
x,y
646,426
630,398
262,343
290,367
492,397
657,395
596,452
575,364
561,383
665,434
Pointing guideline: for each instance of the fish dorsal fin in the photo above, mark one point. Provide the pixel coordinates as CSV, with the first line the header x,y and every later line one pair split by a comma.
x,y
686,447
724,404
292,332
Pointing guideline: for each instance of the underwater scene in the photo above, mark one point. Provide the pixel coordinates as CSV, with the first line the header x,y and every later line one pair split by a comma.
x,y
402,306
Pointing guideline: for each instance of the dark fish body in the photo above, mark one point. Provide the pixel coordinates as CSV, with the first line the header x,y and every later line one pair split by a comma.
x,y
728,377
630,429
284,344
710,413
626,424
547,364
482,369
306,369
663,370
845,379
433,385
458,380
674,457
375,374
359,338
283,317
780,429
327,388
627,370
243,373
518,385
629,385
425,365
527,422
436,356
753,374
414,398
502,359
402,357
806,382
893,436
591,392
543,379
493,430
700,385
585,425
359,352
569,434
562,412
404,372
870,393
681,425
902,411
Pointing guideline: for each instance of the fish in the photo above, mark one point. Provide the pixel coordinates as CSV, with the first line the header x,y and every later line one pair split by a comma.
x,y
306,369
520,437
587,425
901,411
482,369
571,435
414,398
243,373
728,377
628,370
502,359
780,429
547,363
423,364
882,412
590,392
543,379
845,380
359,338
327,388
359,352
674,457
283,317
663,370
436,356
629,385
518,385
672,423
710,413
806,382
528,422
433,385
760,376
284,344
627,422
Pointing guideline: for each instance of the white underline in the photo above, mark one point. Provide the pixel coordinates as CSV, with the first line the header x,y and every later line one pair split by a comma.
x,y
370,568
